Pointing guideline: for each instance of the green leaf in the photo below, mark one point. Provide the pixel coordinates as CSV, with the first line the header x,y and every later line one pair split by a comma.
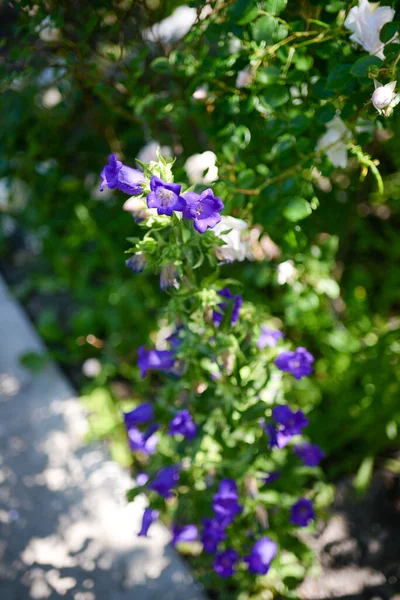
x,y
364,474
268,75
388,31
297,209
33,361
275,7
264,28
276,95
243,11
362,65
304,63
325,113
160,64
339,77
254,412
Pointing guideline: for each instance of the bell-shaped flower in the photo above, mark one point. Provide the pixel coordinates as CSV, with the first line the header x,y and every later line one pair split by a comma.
x,y
366,21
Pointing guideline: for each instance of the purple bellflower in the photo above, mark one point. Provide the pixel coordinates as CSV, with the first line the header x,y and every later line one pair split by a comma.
x,y
203,209
143,442
136,263
225,562
166,479
165,197
298,363
310,454
139,415
213,533
277,438
261,556
269,337
142,479
302,512
292,423
149,516
237,303
225,502
183,424
126,179
271,477
158,360
186,533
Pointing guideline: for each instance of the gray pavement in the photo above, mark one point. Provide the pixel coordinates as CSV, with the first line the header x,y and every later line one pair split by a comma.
x,y
65,527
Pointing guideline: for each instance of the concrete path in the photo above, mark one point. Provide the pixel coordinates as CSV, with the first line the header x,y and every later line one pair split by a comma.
x,y
65,528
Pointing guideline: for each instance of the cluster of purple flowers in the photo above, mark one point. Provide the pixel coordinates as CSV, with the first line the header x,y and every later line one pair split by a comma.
x,y
298,363
287,424
203,209
142,441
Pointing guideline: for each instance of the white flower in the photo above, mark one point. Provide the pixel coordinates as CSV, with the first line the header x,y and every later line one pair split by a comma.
x,y
174,27
51,97
287,272
237,240
384,98
139,209
367,20
201,168
149,152
200,93
333,142
244,78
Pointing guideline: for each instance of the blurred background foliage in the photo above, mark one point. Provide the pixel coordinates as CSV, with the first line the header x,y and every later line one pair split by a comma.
x,y
81,80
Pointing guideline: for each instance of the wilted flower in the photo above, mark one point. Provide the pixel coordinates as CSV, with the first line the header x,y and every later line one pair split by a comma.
x,y
186,533
292,422
302,512
139,415
333,142
298,363
269,337
158,360
183,424
137,262
244,78
149,516
384,98
225,502
237,240
261,556
366,21
169,277
237,303
166,479
225,562
165,196
203,209
201,168
126,179
310,454
213,533
287,272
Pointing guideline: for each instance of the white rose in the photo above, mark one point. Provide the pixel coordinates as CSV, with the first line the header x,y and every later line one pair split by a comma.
x,y
237,240
384,97
366,21
333,142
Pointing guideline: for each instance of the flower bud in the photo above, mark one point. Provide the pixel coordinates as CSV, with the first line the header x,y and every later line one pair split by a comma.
x,y
136,263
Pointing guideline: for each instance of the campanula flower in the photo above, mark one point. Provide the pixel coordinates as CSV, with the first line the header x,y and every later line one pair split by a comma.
x,y
277,438
142,479
237,303
136,262
165,197
261,556
271,477
213,533
302,512
269,337
143,442
149,516
183,424
292,423
366,21
203,209
310,454
158,360
166,479
298,363
169,277
186,533
225,502
139,415
225,562
126,179
384,98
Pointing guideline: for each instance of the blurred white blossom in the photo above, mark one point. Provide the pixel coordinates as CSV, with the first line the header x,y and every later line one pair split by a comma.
x,y
91,367
174,27
51,97
201,92
366,21
201,168
287,272
149,152
139,209
384,97
333,142
237,240
244,78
